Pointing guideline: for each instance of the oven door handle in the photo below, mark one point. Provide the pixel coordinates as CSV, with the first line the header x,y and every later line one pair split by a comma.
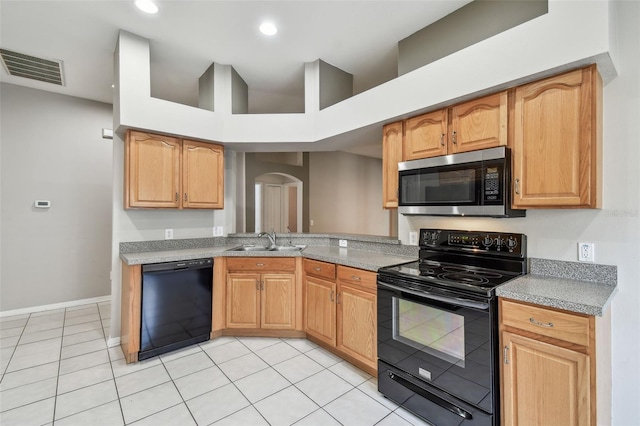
x,y
431,397
458,301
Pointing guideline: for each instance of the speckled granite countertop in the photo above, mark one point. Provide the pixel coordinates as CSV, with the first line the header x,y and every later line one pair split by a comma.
x,y
576,287
364,255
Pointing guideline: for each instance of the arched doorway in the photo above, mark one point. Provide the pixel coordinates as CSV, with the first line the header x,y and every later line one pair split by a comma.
x,y
278,202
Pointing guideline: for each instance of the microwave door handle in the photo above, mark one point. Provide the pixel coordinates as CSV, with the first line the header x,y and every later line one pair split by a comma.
x,y
458,301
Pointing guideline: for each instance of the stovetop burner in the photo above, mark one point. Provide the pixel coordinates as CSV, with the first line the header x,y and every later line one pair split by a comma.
x,y
466,277
472,262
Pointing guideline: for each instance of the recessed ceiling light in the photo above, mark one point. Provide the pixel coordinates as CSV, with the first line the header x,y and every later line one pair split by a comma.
x,y
267,28
147,6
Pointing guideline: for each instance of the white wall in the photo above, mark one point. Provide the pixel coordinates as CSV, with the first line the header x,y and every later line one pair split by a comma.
x,y
345,194
615,230
52,149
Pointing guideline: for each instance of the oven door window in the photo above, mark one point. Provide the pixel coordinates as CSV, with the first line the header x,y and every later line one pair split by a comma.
x,y
440,187
431,330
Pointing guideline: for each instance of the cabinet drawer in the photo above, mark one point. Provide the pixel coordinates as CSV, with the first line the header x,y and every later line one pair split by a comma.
x,y
359,277
559,325
277,264
320,269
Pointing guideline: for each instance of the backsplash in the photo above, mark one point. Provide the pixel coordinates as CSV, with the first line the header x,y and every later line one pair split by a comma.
x,y
605,274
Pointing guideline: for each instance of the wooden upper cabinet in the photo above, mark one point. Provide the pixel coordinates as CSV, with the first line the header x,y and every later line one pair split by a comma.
x,y
167,172
558,141
425,135
152,170
203,175
391,156
479,124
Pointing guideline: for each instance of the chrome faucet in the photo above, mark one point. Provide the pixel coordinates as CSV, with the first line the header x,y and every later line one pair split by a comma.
x,y
271,236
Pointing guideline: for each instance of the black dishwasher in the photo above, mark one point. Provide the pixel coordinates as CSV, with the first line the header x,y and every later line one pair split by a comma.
x,y
176,305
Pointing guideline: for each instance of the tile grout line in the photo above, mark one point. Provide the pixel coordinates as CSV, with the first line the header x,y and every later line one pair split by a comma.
x,y
113,375
176,387
4,371
55,396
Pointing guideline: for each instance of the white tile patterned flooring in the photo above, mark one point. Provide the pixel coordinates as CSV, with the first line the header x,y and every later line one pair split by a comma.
x,y
56,369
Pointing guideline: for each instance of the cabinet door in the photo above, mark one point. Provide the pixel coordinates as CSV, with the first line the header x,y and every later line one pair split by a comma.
x,y
479,124
425,136
357,321
544,384
278,301
243,301
320,309
202,175
557,142
152,170
391,156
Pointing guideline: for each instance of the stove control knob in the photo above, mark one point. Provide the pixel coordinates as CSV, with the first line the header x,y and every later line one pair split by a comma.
x,y
499,242
487,241
512,243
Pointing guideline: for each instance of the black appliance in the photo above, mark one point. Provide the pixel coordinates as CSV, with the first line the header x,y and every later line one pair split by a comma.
x,y
176,305
438,325
475,183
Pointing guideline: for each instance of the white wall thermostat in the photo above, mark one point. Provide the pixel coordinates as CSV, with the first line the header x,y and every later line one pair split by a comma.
x,y
42,204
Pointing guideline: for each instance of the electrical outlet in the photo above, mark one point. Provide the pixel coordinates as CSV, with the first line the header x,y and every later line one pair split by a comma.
x,y
311,222
168,234
413,238
342,243
218,231
586,252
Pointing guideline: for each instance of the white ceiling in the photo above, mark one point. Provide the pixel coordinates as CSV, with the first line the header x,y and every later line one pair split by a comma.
x,y
359,37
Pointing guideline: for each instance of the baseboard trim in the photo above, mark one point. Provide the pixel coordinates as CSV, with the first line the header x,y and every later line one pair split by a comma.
x,y
113,342
55,306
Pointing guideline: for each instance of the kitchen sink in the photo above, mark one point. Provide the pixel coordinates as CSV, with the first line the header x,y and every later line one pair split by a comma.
x,y
265,248
287,248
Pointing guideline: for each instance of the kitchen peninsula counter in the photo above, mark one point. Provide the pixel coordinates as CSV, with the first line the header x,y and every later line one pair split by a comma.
x,y
364,252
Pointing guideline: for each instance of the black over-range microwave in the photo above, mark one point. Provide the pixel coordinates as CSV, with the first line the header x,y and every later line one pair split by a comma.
x,y
475,183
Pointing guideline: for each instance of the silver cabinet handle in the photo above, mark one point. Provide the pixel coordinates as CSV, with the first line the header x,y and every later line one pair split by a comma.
x,y
504,354
442,139
541,324
517,186
331,296
355,278
185,196
454,137
259,264
176,196
317,269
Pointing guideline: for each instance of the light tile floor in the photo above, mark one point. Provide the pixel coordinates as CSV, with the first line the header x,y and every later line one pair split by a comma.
x,y
56,369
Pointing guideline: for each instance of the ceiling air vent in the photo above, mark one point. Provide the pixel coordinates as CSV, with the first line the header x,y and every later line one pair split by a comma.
x,y
27,66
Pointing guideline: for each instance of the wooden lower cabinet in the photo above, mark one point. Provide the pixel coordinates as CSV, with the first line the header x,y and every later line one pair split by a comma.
x,y
357,324
261,301
320,309
552,370
544,384
341,311
262,296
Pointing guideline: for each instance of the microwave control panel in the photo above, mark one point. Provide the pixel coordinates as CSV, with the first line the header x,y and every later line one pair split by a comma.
x,y
492,184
